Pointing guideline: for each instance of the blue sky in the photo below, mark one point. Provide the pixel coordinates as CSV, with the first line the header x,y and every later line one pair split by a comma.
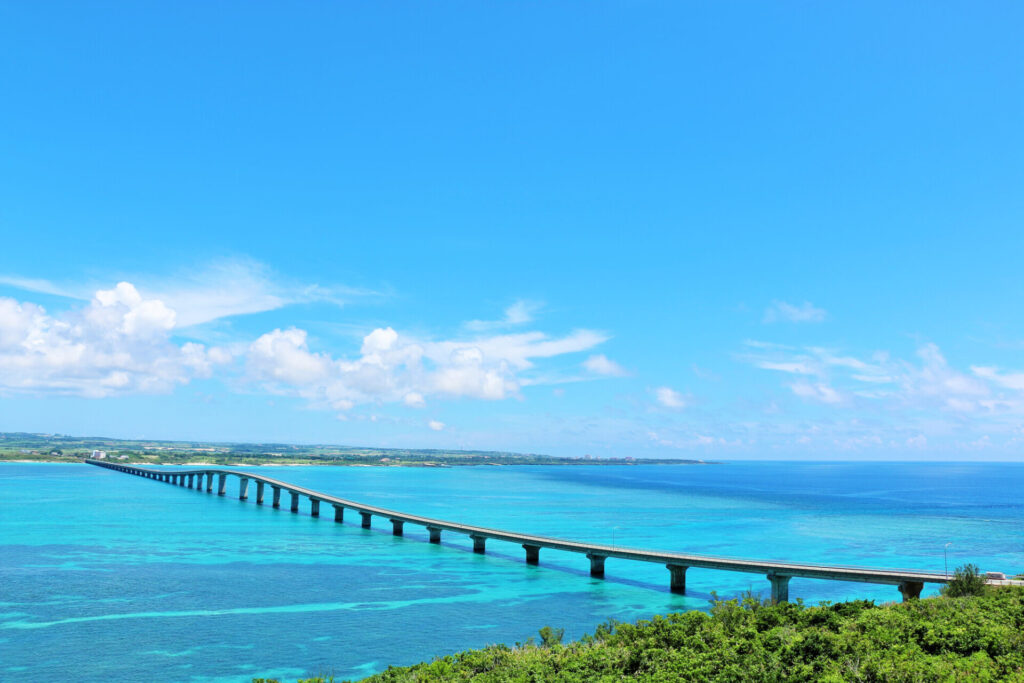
x,y
725,230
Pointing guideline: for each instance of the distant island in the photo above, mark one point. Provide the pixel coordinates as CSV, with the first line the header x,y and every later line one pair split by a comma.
x,y
22,447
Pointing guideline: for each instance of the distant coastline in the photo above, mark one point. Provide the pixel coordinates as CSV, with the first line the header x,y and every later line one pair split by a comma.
x,y
59,448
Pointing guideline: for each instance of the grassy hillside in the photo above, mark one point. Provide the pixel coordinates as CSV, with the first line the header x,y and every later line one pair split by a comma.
x,y
937,639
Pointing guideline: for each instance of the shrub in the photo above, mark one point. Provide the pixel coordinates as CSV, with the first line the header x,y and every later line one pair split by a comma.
x,y
967,580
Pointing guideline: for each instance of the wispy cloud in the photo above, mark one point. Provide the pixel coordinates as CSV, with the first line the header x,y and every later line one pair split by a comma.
x,y
600,364
519,313
221,289
794,313
670,398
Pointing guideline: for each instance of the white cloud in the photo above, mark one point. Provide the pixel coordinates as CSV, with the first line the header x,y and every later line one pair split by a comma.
x,y
794,313
820,392
1013,380
436,425
119,343
600,364
670,398
798,367
927,384
519,313
393,367
414,399
217,290
918,442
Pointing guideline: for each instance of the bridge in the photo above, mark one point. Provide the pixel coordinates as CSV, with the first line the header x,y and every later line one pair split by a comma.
x,y
909,582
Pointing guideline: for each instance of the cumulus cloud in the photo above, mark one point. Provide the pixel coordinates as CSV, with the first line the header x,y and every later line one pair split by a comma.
x,y
670,398
119,343
436,425
393,367
600,364
794,313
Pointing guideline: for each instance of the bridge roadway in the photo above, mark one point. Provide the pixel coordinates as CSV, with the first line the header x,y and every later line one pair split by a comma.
x,y
910,582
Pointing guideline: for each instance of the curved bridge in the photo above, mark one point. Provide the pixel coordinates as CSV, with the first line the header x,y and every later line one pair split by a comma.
x,y
909,582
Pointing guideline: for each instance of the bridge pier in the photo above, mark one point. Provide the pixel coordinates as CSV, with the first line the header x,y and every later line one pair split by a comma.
x,y
596,565
243,488
181,480
367,518
339,513
314,507
295,501
222,482
677,582
780,587
199,481
277,496
191,480
435,534
910,590
259,493
532,553
396,527
479,543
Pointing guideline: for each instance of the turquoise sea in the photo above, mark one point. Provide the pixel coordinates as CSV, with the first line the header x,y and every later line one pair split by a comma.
x,y
109,577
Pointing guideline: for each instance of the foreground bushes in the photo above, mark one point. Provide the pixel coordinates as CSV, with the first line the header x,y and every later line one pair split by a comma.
x,y
975,638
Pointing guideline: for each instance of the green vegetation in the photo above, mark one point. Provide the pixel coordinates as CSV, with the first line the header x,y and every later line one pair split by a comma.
x,y
973,638
59,448
967,580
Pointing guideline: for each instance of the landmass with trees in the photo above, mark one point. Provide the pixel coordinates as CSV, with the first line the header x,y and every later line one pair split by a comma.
x,y
18,446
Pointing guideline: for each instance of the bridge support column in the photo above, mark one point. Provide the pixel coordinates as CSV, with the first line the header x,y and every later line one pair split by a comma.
x,y
339,513
199,481
780,587
277,496
479,543
259,493
367,517
435,534
222,482
532,553
314,507
295,501
911,590
396,527
677,582
209,482
596,565
243,488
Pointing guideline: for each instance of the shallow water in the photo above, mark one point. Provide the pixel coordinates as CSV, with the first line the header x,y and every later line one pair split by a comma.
x,y
110,577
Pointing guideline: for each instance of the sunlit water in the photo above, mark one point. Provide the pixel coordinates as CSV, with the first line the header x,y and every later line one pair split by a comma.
x,y
109,577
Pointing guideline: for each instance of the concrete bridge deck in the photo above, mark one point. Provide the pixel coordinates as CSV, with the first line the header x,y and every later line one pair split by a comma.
x,y
910,582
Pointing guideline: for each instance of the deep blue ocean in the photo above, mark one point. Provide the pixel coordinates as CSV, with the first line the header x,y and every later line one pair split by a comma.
x,y
109,577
